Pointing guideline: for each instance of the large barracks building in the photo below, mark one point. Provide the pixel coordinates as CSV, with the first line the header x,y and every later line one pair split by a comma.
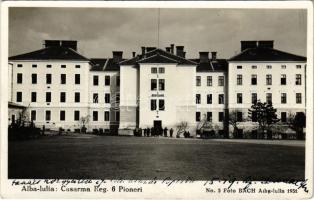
x,y
155,87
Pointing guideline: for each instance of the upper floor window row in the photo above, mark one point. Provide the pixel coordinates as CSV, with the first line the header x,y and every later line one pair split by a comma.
x,y
269,66
283,79
221,81
107,80
160,70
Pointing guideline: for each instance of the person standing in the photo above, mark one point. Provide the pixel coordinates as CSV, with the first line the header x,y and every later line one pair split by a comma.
x,y
171,132
165,132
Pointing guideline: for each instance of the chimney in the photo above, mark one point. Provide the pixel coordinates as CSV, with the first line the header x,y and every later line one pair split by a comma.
x,y
248,45
133,54
143,51
204,57
168,49
180,50
214,55
52,43
148,49
172,48
69,44
266,44
117,56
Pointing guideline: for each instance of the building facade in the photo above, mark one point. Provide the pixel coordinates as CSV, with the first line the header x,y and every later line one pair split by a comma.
x,y
155,88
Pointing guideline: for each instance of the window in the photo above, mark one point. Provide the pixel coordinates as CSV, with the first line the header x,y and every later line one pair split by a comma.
x,y
106,117
161,70
209,80
19,96
198,81
283,66
117,116
107,97
33,97
19,65
254,116
33,115
221,116
62,115
48,78
117,98
48,97
254,79
221,99
19,78
77,66
239,67
268,98
268,66
76,115
34,66
95,116
299,66
77,98
221,81
161,84
298,79
268,79
34,78
161,104
63,66
254,66
239,98
209,116
77,79
154,70
48,66
254,98
62,97
198,116
239,116
283,117
118,80
63,78
239,79
153,84
283,98
153,104
107,80
283,79
48,115
198,98
209,99
95,80
298,98
95,98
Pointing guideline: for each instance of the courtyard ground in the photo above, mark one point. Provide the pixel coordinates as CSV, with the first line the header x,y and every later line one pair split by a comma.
x,y
112,157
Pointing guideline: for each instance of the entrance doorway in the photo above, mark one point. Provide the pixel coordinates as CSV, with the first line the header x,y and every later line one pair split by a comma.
x,y
157,124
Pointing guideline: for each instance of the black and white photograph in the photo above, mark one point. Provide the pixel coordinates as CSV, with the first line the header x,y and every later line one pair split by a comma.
x,y
157,93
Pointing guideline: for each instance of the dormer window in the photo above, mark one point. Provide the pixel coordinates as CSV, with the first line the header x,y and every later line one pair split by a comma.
x,y
239,67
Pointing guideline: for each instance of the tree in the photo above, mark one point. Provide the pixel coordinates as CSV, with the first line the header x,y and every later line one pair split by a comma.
x,y
83,122
234,120
182,126
265,115
297,122
204,124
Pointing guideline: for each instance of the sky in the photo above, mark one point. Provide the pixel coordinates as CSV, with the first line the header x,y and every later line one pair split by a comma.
x,y
99,31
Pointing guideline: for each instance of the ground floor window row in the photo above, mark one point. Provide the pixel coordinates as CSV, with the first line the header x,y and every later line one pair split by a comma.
x,y
76,116
238,116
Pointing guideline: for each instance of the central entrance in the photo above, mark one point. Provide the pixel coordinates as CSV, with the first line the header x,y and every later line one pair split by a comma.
x,y
157,124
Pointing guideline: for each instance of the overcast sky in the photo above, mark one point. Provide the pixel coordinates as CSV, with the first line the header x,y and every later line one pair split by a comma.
x,y
99,31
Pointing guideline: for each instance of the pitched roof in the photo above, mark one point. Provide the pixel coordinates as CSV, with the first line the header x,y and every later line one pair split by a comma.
x,y
51,53
211,65
266,54
104,64
158,56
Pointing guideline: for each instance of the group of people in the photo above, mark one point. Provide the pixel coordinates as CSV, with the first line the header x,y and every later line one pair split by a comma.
x,y
153,131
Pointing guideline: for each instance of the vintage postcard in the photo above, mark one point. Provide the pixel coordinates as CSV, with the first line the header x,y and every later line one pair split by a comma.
x,y
157,100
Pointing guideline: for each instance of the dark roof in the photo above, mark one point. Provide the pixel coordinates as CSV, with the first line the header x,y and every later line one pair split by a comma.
x,y
15,105
158,56
51,53
104,64
216,65
266,54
